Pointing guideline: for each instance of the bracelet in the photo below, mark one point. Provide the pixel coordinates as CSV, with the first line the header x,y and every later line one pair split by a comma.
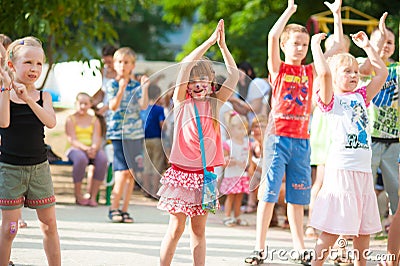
x,y
5,89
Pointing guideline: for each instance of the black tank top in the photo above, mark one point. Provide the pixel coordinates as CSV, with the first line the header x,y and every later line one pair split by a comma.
x,y
22,143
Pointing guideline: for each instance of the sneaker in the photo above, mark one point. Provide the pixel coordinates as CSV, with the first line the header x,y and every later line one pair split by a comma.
x,y
229,221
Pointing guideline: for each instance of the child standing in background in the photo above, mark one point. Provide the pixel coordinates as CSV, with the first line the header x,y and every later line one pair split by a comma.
x,y
182,183
154,158
125,130
83,132
346,203
236,179
25,172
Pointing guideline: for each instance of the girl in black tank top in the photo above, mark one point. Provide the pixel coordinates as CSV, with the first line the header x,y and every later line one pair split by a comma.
x,y
24,169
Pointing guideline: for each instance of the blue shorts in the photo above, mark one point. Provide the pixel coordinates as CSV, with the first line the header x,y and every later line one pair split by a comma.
x,y
291,156
128,154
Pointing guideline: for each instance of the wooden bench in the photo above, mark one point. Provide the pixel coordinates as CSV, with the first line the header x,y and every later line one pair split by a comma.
x,y
109,179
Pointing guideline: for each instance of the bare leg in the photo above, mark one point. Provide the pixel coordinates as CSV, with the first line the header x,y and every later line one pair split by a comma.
x,y
228,204
90,174
393,245
361,243
264,215
118,189
237,202
176,227
9,229
51,240
129,185
78,193
316,187
198,239
295,214
94,190
324,242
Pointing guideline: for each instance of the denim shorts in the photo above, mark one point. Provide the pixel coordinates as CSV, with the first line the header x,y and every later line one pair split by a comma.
x,y
128,154
290,156
26,185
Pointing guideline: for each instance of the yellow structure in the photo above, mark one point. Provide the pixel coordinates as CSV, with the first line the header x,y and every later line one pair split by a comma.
x,y
320,20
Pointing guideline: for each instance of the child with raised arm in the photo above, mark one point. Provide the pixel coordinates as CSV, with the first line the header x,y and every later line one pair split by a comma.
x,y
127,98
287,136
346,203
384,115
25,172
181,191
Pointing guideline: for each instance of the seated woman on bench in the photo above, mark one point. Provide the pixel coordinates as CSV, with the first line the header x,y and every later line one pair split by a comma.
x,y
85,147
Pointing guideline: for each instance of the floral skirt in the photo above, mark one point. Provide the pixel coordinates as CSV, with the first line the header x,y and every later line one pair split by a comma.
x,y
181,192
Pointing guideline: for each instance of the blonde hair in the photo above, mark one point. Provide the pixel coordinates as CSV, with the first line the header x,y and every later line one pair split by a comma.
x,y
291,28
126,51
15,46
235,118
329,42
342,59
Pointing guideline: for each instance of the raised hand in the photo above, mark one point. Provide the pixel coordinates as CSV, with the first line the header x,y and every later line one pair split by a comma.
x,y
215,35
291,6
317,38
221,35
382,26
335,6
360,39
5,77
20,90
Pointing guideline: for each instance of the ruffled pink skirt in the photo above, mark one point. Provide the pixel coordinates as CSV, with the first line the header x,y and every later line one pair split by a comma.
x,y
346,204
181,192
234,185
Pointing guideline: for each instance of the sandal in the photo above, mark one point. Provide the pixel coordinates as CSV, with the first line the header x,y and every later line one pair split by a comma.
x,y
10,263
257,257
22,223
310,233
115,216
304,259
229,221
126,218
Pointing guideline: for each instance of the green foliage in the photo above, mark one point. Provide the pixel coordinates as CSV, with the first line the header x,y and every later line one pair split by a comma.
x,y
69,29
249,21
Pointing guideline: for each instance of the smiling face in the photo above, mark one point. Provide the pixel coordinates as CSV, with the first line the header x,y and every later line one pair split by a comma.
x,y
199,87
27,64
201,79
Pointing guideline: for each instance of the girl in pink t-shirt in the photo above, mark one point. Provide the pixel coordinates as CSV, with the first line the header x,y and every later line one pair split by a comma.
x,y
181,190
346,203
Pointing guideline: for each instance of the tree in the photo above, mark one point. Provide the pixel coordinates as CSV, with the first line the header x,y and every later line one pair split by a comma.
x,y
249,21
69,29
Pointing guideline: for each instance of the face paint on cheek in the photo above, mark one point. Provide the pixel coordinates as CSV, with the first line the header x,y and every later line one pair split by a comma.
x,y
13,227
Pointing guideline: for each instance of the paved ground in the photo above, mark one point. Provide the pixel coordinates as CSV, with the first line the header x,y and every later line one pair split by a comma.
x,y
88,238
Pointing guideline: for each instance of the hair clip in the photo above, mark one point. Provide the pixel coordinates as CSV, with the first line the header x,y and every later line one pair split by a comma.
x,y
233,113
11,54
22,42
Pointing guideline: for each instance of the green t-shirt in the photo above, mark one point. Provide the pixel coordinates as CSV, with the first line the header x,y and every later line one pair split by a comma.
x,y
383,110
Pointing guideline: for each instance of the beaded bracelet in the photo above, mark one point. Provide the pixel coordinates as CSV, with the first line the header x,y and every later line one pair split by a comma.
x,y
4,89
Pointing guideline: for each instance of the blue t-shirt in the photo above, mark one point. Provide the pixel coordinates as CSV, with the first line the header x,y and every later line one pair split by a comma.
x,y
152,117
125,122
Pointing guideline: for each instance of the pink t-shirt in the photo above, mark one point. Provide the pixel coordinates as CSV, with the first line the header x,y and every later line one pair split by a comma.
x,y
291,101
185,151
